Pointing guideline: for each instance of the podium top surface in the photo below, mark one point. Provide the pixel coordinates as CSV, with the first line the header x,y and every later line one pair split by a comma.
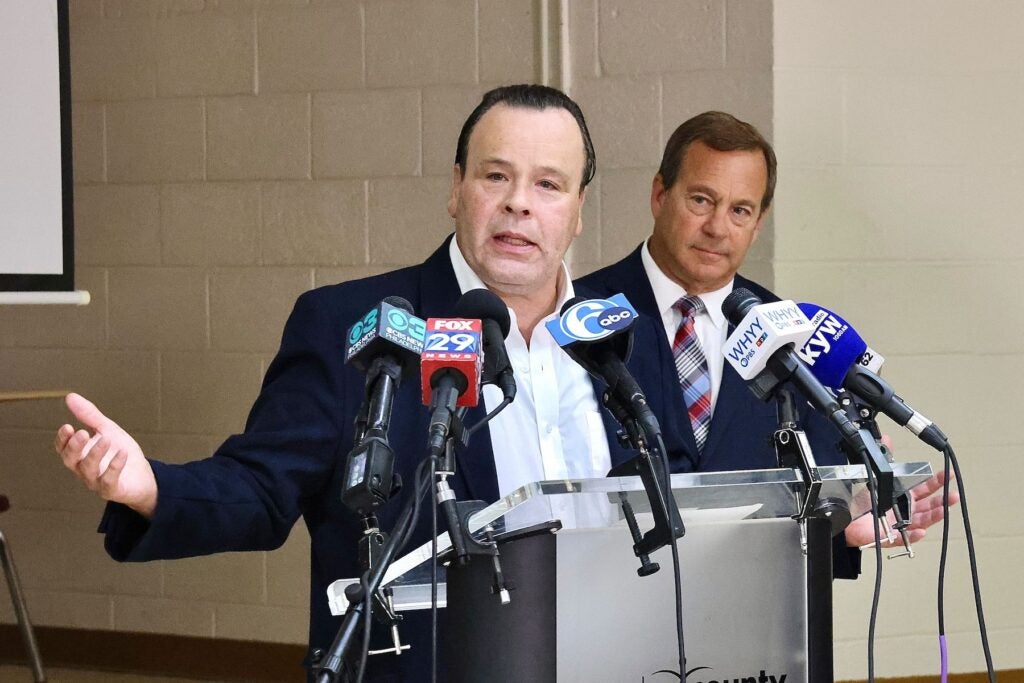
x,y
703,497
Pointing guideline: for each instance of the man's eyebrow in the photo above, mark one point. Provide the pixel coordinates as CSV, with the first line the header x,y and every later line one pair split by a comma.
x,y
704,189
495,160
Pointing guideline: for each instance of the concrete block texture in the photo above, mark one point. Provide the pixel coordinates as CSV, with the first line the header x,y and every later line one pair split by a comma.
x,y
249,306
408,218
508,50
158,308
150,8
155,140
210,223
744,93
410,43
207,393
445,108
269,623
748,33
88,135
660,36
35,479
68,609
188,44
117,225
916,36
112,58
311,48
926,119
623,118
626,218
183,617
225,577
366,133
318,222
809,116
263,137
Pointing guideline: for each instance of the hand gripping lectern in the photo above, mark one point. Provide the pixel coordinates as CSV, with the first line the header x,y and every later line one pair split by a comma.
x,y
757,591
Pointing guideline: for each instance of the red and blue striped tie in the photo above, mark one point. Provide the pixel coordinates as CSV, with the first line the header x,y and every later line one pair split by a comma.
x,y
692,367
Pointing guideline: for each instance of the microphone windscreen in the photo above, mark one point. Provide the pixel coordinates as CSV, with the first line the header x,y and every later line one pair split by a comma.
x,y
738,303
483,304
399,302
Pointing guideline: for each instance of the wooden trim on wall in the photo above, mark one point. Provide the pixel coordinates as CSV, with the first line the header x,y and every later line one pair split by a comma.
x,y
158,654
224,660
976,677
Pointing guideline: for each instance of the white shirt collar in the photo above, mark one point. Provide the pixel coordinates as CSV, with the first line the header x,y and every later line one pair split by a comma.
x,y
667,292
468,279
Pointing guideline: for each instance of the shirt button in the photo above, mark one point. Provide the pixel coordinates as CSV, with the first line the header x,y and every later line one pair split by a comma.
x,y
549,429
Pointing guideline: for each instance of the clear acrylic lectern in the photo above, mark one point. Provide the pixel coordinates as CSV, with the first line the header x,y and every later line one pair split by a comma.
x,y
757,596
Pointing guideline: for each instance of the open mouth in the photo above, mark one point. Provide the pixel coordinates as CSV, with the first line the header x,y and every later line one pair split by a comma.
x,y
513,241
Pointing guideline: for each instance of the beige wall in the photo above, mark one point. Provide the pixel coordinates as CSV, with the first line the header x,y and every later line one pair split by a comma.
x,y
902,161
230,154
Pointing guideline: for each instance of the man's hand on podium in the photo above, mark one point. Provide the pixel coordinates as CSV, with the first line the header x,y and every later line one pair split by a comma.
x,y
926,510
106,458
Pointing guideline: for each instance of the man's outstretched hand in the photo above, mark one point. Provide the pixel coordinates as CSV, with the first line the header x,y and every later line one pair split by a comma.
x,y
106,458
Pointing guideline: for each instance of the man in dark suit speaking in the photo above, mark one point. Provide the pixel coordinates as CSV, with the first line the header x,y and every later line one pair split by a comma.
x,y
523,162
709,200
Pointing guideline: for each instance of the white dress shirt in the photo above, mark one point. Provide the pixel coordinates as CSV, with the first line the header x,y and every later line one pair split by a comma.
x,y
553,429
710,326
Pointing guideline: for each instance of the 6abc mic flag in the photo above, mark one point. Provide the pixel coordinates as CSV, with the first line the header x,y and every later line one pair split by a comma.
x,y
592,320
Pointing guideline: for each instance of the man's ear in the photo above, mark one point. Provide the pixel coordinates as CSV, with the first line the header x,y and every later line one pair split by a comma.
x,y
658,193
453,191
579,219
760,224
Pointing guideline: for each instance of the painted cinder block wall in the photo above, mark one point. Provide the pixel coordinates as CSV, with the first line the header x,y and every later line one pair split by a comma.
x,y
231,154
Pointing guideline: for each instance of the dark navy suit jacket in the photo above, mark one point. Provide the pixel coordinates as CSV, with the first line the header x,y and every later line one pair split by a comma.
x,y
742,425
288,463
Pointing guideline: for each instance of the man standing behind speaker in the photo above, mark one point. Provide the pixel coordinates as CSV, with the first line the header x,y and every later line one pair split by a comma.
x,y
709,200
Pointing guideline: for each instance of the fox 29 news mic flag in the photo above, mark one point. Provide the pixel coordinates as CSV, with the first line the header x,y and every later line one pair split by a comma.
x,y
451,355
840,358
386,344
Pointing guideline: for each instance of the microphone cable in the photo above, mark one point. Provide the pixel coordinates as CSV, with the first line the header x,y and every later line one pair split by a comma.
x,y
403,533
676,572
877,591
950,458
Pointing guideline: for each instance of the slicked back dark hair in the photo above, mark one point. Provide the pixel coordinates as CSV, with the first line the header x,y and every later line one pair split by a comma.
x,y
724,133
529,97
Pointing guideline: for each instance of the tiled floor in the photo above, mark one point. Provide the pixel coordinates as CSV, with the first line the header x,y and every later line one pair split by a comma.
x,y
23,674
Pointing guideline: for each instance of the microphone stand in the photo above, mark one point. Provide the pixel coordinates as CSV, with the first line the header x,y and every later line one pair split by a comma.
x,y
864,414
668,525
332,661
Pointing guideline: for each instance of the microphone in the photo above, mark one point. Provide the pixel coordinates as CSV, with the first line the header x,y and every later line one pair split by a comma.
x,y
840,358
760,349
449,374
493,314
597,334
386,345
